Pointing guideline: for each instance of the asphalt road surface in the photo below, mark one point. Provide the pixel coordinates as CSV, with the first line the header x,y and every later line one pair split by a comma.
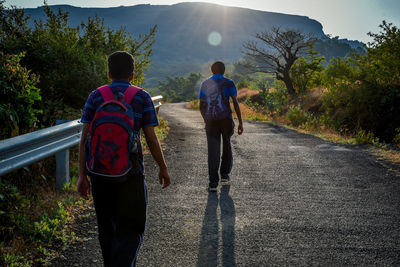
x,y
294,199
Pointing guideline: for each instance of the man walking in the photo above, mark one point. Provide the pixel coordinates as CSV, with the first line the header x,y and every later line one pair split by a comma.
x,y
217,114
110,153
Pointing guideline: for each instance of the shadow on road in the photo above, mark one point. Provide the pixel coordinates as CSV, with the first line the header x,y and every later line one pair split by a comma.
x,y
228,227
208,251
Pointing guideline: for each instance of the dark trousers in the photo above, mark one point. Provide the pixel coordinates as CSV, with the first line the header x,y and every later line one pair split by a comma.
x,y
121,218
216,129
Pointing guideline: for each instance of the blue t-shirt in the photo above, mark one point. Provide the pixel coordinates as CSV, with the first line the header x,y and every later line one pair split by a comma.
x,y
144,112
228,87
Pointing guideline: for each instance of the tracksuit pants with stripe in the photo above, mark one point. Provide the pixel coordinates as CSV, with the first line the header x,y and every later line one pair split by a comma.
x,y
121,218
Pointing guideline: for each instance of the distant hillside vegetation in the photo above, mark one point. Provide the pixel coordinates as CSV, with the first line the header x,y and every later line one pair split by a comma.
x,y
183,30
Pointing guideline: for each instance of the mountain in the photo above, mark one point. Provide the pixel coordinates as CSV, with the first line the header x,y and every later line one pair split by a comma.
x,y
184,29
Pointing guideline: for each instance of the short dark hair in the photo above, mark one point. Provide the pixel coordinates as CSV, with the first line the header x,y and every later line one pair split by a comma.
x,y
218,67
121,65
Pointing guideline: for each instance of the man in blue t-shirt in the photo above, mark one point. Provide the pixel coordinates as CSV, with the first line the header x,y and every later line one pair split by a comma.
x,y
217,114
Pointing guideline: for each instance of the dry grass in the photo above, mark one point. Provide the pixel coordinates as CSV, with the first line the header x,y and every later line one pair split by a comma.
x,y
250,114
194,104
388,154
245,93
311,101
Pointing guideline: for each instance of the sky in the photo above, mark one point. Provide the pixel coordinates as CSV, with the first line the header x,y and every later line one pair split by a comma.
x,y
351,19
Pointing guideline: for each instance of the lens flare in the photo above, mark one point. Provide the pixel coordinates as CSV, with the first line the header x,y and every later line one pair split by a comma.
x,y
214,38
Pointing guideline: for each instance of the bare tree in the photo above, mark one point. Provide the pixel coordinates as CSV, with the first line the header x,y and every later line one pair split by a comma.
x,y
277,52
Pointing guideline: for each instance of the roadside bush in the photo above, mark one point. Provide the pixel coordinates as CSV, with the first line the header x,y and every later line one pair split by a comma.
x,y
313,123
362,137
396,138
343,103
51,227
364,93
340,69
18,96
275,98
14,261
297,116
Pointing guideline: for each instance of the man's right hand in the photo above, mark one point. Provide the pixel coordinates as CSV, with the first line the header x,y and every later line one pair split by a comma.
x,y
164,178
83,186
240,129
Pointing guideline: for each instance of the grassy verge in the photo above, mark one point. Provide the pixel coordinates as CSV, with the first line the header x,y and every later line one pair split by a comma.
x,y
35,217
162,129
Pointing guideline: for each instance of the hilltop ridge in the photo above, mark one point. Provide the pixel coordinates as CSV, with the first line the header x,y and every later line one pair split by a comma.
x,y
184,29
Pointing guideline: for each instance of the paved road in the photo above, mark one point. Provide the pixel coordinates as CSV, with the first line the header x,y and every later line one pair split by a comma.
x,y
294,199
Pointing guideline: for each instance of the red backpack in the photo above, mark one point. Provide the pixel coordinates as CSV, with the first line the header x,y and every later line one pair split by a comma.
x,y
111,138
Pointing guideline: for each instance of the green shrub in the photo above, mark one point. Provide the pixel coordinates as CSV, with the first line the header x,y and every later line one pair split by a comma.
x,y
18,96
48,228
340,69
362,137
297,116
275,98
13,206
396,138
312,123
15,261
364,92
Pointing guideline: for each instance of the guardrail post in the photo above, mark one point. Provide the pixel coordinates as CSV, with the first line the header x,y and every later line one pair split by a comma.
x,y
62,164
62,168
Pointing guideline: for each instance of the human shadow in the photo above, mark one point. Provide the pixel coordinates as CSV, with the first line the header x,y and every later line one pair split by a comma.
x,y
228,226
208,250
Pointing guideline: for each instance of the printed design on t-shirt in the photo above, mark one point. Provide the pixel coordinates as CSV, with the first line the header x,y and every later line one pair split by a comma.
x,y
216,106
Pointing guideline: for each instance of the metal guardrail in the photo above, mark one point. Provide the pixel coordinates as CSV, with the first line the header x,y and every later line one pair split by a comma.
x,y
28,148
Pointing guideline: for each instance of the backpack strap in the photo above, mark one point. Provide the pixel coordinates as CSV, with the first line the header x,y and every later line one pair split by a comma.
x,y
106,92
130,93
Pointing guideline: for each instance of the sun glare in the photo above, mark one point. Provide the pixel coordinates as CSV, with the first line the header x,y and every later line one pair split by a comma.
x,y
214,38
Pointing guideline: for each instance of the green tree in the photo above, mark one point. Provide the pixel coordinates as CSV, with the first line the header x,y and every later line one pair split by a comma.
x,y
179,89
364,93
382,64
14,30
306,72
